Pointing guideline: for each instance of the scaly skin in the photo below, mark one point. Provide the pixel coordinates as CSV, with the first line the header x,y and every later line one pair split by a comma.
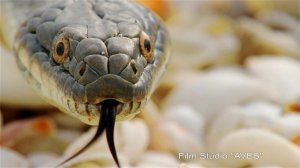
x,y
104,37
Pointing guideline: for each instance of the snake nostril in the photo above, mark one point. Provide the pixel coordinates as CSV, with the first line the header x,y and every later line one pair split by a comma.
x,y
133,66
82,69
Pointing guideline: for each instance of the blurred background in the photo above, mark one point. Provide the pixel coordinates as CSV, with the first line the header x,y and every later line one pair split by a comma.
x,y
230,96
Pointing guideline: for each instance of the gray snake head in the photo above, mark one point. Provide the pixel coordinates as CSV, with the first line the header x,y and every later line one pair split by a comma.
x,y
78,54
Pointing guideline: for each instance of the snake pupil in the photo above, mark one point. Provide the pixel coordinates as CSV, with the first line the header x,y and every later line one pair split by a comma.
x,y
60,48
147,45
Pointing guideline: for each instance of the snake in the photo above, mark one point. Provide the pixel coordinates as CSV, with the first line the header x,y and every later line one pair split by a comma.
x,y
96,60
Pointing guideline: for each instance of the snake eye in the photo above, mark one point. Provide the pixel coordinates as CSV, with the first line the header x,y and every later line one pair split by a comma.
x,y
61,50
146,45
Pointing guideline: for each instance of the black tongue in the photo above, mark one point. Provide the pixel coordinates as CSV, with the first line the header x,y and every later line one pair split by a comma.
x,y
110,125
106,121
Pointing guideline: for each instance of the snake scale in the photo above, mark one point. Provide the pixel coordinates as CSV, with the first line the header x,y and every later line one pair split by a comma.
x,y
96,60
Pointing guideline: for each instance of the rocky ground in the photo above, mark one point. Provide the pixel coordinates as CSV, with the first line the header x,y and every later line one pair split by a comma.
x,y
230,98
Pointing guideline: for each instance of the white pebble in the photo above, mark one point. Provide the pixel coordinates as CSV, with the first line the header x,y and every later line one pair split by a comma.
x,y
263,148
39,159
187,117
213,91
154,159
10,158
256,115
283,73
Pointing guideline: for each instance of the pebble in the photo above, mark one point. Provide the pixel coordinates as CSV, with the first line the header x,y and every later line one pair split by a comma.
x,y
10,158
210,92
268,149
261,115
280,72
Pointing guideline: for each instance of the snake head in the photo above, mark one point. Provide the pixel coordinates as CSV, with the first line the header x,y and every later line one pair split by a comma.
x,y
78,54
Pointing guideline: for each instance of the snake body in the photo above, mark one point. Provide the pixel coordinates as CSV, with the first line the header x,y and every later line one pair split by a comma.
x,y
78,54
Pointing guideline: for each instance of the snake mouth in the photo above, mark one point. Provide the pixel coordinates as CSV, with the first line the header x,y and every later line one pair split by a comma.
x,y
119,105
90,113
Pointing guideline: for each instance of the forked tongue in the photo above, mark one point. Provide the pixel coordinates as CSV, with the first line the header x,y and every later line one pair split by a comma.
x,y
106,121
